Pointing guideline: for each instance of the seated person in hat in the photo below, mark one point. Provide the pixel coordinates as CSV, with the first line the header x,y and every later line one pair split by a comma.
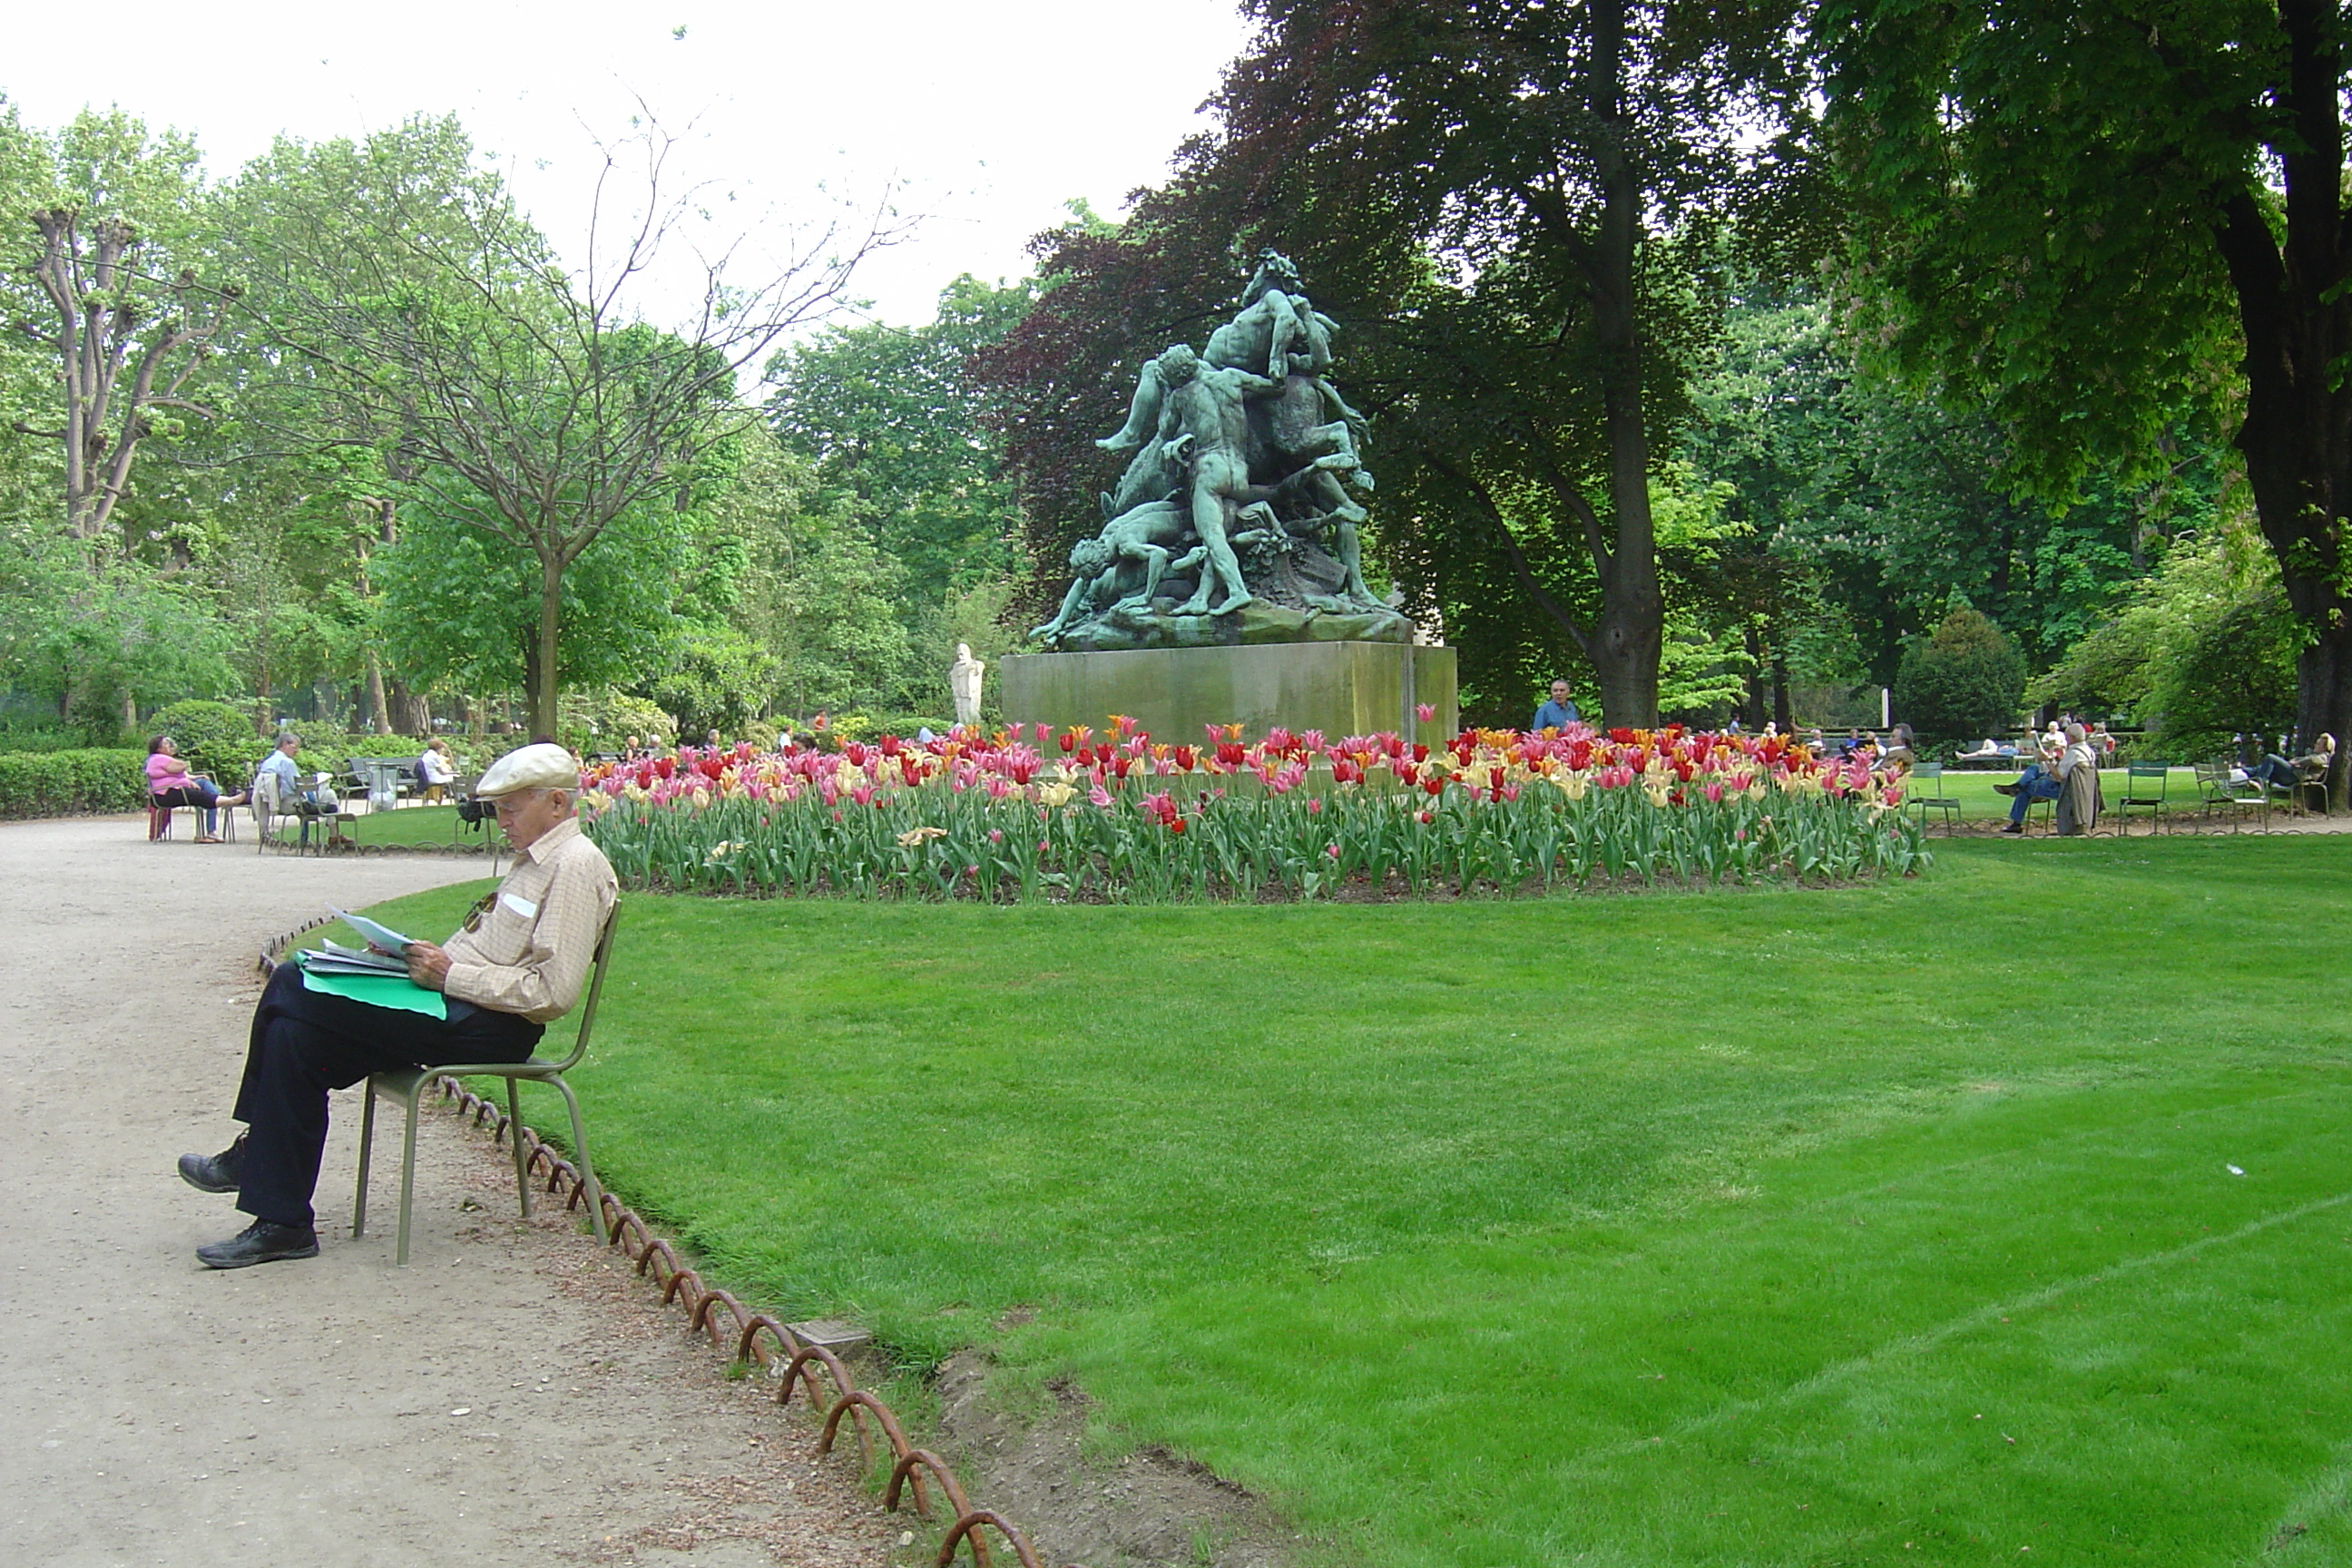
x,y
2040,781
519,964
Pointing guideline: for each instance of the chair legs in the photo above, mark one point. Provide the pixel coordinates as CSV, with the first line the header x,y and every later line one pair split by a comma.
x,y
514,1141
580,1157
370,1089
408,1172
390,1085
367,1144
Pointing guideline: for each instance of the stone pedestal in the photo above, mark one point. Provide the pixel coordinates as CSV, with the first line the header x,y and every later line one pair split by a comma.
x,y
1338,687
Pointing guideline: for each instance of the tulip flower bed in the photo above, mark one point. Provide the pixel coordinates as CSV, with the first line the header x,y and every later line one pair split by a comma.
x,y
2005,1207
1291,817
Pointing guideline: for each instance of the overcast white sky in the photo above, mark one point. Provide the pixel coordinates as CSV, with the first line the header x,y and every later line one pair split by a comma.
x,y
993,114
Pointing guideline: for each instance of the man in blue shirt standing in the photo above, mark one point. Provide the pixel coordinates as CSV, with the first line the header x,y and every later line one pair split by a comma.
x,y
1557,714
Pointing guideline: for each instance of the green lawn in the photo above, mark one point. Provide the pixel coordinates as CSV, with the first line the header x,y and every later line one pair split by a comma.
x,y
1973,788
1891,1225
434,825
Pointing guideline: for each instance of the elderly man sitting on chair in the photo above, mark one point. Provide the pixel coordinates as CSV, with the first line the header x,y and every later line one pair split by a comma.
x,y
2041,780
517,964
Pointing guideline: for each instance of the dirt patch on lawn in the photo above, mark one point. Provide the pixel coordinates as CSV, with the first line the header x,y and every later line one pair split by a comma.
x,y
1149,1509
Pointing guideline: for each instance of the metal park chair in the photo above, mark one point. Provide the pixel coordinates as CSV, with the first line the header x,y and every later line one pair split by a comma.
x,y
2143,790
407,1086
2237,799
1923,787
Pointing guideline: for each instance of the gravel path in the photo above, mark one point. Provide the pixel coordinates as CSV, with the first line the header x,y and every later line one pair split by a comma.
x,y
507,1398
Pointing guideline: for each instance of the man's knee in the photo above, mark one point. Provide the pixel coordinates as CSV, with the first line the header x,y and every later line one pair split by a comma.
x,y
284,985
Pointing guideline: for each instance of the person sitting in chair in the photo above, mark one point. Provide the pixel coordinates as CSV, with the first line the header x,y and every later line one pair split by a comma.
x,y
517,964
433,773
2040,781
169,784
2274,772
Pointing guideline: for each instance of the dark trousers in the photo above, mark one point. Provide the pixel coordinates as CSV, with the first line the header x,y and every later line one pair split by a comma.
x,y
305,1043
200,795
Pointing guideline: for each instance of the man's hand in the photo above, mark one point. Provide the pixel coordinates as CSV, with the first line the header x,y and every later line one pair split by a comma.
x,y
427,965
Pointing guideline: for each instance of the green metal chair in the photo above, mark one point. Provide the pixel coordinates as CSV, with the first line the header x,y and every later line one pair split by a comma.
x,y
2218,792
2143,789
407,1086
1923,786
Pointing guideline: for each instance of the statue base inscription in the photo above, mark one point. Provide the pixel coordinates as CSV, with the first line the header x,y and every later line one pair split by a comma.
x,y
1341,687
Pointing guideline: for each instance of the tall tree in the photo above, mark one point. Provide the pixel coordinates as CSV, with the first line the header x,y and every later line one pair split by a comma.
x,y
2081,213
528,400
891,419
1505,207
1889,505
114,304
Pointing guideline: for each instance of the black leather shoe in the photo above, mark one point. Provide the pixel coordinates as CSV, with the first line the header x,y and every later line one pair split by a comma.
x,y
2010,789
263,1241
220,1172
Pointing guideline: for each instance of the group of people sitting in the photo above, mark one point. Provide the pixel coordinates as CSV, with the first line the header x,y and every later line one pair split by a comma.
x,y
171,784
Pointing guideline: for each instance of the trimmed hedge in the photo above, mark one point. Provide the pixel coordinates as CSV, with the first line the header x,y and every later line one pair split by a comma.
x,y
71,784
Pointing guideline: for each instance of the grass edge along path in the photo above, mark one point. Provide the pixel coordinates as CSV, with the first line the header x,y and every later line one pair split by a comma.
x,y
1670,1228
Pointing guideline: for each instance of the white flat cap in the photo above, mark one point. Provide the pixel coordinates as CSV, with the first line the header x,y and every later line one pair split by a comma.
x,y
540,766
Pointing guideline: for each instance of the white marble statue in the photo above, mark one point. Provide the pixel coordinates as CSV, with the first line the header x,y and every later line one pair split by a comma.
x,y
963,680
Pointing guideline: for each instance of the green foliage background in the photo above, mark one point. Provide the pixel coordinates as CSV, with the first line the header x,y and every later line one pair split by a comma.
x,y
1964,679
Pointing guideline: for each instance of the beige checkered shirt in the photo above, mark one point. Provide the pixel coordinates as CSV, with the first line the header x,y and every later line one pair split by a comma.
x,y
530,953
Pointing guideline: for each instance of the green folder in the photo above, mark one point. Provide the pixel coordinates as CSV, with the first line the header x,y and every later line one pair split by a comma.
x,y
380,991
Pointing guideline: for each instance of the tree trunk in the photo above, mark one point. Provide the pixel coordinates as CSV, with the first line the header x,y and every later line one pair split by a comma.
x,y
411,715
1626,644
2324,704
1781,713
379,713
542,696
2293,311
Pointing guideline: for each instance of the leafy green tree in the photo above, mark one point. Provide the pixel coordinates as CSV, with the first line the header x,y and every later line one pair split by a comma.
x,y
815,594
2203,649
2083,214
109,294
99,643
1877,504
712,677
1508,211
524,400
892,419
1962,679
462,606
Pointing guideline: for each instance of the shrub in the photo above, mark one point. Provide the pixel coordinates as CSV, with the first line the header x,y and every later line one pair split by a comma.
x,y
71,784
607,719
24,733
1964,680
213,738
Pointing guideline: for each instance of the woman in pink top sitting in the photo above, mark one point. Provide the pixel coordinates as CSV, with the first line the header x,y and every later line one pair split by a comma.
x,y
169,783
